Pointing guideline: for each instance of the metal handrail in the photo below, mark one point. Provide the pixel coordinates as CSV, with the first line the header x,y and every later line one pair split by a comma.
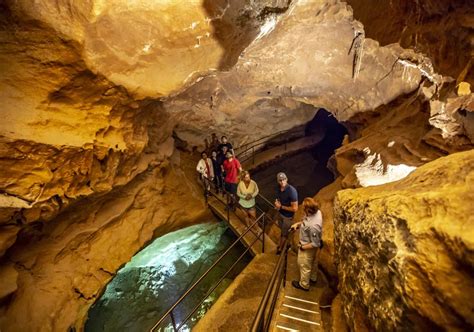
x,y
254,142
267,305
169,312
241,155
218,283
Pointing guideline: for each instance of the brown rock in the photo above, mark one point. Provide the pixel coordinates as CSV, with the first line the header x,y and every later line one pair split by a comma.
x,y
400,246
8,276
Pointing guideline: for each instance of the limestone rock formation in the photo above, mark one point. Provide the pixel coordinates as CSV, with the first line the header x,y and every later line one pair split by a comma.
x,y
314,54
404,249
442,29
97,95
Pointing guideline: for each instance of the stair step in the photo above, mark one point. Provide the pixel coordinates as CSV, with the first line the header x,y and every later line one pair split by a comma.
x,y
299,316
299,307
286,327
287,324
301,302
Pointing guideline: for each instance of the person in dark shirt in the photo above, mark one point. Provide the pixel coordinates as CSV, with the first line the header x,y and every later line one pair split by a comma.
x,y
224,142
216,164
286,203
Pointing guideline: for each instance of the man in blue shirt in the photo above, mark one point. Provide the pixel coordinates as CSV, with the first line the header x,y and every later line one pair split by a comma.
x,y
286,203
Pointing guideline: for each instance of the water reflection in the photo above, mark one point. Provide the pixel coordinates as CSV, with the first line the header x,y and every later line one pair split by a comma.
x,y
157,276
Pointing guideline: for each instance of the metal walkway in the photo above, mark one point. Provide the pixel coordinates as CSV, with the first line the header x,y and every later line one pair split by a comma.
x,y
236,222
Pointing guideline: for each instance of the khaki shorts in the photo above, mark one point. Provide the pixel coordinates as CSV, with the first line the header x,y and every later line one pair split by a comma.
x,y
285,224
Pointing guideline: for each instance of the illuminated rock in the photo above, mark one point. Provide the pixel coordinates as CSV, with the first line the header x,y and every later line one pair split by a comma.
x,y
400,246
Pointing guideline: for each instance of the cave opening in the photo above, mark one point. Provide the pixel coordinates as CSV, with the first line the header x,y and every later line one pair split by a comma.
x,y
307,169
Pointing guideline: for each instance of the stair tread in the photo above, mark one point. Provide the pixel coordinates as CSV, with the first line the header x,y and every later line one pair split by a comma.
x,y
287,305
295,325
300,315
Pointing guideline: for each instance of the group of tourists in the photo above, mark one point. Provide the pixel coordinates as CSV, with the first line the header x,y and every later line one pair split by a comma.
x,y
222,169
225,172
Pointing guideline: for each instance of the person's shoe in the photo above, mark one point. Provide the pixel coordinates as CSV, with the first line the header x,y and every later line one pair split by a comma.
x,y
278,252
296,284
313,282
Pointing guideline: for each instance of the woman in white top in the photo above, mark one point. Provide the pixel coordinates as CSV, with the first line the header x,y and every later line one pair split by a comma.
x,y
205,170
247,190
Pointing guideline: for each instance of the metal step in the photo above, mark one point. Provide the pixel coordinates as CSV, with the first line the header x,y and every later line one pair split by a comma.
x,y
300,301
288,321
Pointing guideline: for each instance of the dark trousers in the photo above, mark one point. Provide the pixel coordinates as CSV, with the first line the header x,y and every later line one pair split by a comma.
x,y
219,182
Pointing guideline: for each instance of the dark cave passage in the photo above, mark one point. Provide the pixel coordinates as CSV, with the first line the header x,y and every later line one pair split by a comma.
x,y
307,170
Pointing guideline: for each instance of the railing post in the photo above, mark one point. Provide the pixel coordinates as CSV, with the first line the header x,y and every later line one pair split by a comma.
x,y
263,234
173,322
285,267
228,207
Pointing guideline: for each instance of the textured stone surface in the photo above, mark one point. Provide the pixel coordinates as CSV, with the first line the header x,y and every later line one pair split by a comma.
x,y
303,60
87,151
154,48
441,29
65,263
404,250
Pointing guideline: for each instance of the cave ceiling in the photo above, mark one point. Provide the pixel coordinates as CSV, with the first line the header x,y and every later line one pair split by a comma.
x,y
96,94
234,66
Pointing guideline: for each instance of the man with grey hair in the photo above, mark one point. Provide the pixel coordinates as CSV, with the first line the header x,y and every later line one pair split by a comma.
x,y
286,203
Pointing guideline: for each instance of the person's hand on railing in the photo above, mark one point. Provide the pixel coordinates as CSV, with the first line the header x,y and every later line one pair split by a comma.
x,y
277,204
295,226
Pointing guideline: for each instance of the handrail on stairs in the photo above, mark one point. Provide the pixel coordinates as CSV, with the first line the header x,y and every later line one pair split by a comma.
x,y
265,310
248,150
261,236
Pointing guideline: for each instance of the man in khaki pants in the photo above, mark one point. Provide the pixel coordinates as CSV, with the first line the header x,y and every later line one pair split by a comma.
x,y
310,241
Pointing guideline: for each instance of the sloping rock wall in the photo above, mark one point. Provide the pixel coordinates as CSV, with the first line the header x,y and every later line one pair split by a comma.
x,y
404,250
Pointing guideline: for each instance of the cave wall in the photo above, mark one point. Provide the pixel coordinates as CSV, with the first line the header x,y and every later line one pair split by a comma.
x,y
404,250
94,96
443,30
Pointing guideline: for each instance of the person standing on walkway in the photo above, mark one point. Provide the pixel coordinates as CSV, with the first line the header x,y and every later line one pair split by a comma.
x,y
286,203
216,165
247,190
310,241
205,170
231,167
226,143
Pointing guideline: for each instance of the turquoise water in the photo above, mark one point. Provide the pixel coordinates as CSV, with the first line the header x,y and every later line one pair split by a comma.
x,y
159,274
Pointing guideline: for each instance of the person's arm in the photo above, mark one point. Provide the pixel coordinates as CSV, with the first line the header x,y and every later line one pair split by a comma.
x,y
315,238
256,191
297,225
294,201
292,208
199,167
211,168
238,164
239,191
